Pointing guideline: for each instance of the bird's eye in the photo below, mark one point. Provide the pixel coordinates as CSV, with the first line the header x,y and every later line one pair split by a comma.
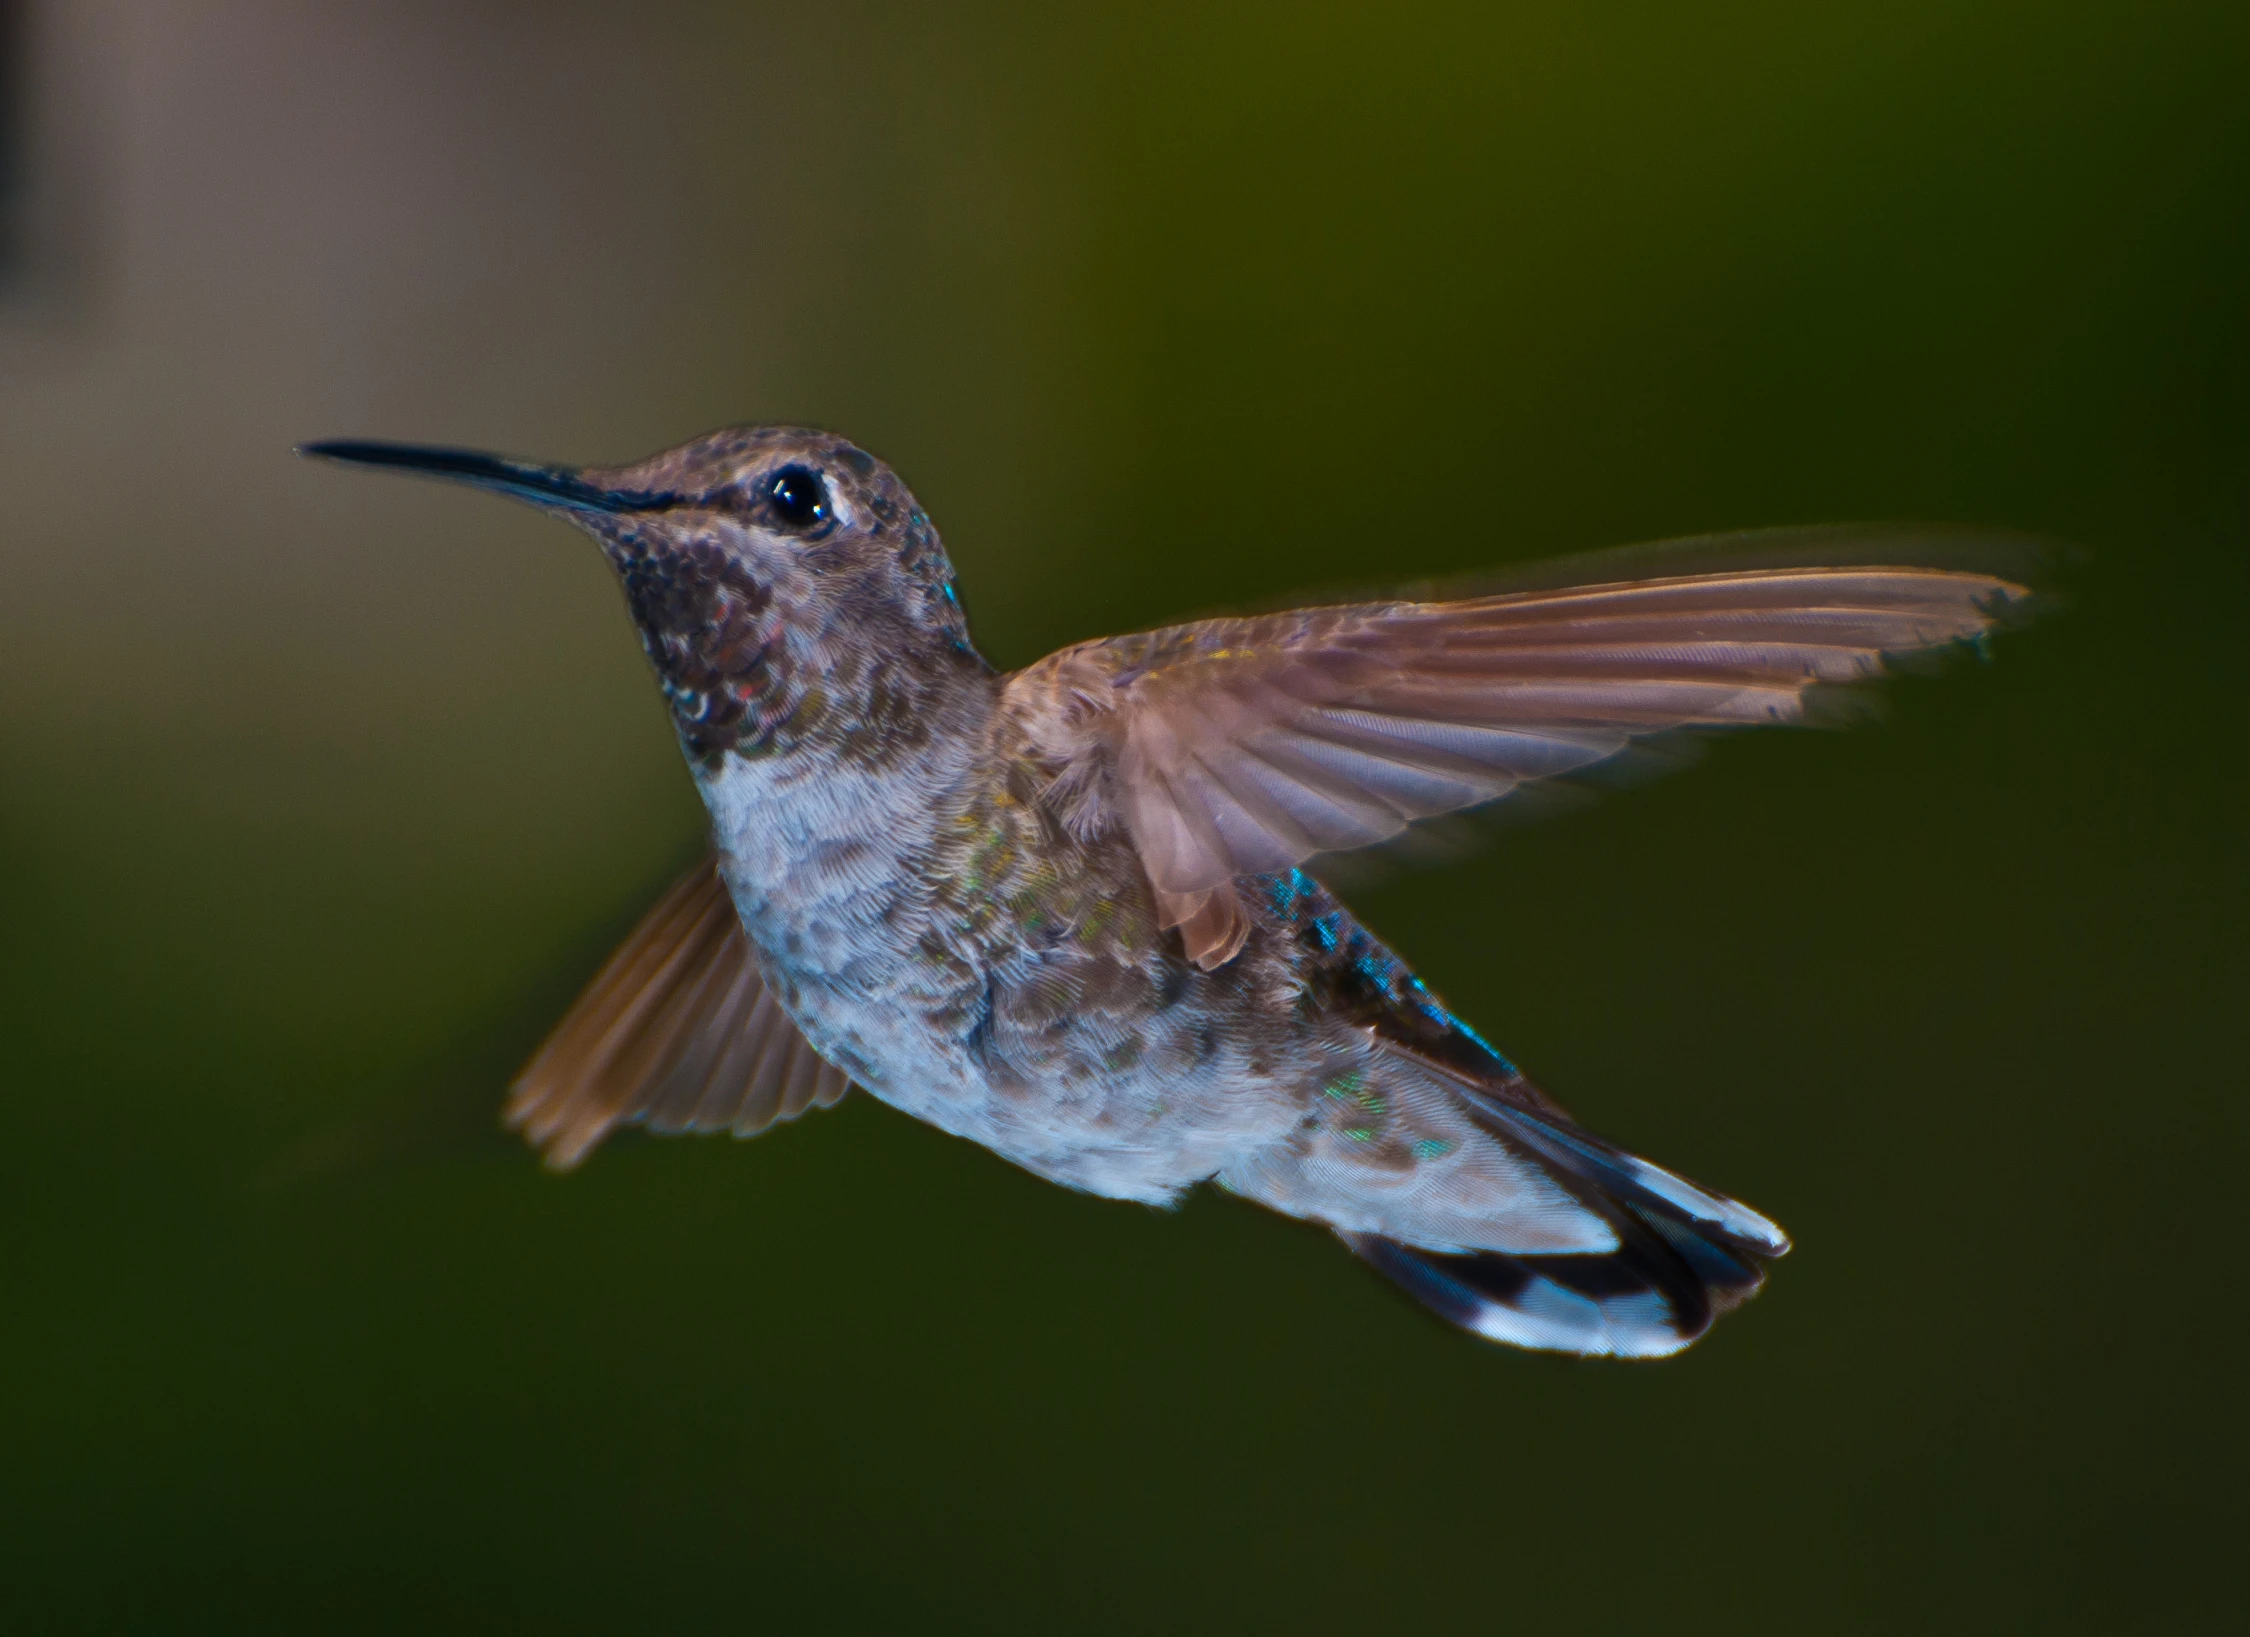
x,y
798,497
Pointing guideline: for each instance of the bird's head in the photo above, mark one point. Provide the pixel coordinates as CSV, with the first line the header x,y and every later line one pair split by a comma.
x,y
786,585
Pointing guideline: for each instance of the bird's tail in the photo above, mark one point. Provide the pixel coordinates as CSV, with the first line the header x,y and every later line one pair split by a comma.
x,y
1683,1257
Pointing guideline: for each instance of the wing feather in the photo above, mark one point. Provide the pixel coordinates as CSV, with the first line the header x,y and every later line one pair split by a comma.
x,y
675,1033
1244,746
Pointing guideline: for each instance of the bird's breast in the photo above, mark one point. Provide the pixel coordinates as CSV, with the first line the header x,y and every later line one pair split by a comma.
x,y
937,939
820,857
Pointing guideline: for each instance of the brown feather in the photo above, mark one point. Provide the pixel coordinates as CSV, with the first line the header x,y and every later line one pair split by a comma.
x,y
1213,925
1242,746
677,1033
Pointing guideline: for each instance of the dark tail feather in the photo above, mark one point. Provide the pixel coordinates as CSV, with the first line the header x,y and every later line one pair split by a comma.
x,y
1649,1298
1684,1255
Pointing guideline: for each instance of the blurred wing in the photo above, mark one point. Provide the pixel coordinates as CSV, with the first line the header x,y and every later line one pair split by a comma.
x,y
676,1033
1244,746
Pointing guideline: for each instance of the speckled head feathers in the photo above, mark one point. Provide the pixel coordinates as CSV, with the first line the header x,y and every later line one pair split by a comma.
x,y
784,581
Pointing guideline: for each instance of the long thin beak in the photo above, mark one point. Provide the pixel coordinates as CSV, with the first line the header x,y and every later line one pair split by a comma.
x,y
548,486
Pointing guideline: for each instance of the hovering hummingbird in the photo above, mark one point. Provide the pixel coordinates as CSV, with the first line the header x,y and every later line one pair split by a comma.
x,y
1064,912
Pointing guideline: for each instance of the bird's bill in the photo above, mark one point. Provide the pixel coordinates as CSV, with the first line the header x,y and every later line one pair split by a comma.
x,y
548,486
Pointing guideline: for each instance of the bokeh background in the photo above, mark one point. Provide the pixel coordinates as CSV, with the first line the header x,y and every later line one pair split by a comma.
x,y
320,794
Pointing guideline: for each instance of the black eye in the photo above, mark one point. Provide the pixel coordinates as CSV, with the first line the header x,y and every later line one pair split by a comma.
x,y
798,497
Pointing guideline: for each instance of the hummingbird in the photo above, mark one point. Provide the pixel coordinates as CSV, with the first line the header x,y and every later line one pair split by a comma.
x,y
1066,912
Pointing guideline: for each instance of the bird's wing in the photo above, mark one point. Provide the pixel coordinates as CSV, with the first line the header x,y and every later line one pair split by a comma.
x,y
1244,746
675,1033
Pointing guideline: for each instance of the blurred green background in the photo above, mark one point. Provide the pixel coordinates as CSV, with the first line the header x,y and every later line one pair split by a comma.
x,y
319,796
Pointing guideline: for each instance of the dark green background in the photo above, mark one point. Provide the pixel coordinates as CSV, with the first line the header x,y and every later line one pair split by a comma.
x,y
319,796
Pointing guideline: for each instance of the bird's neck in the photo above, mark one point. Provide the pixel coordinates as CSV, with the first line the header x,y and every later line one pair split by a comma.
x,y
819,841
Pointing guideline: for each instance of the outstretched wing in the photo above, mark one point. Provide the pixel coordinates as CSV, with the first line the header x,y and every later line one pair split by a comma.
x,y
1244,746
675,1033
